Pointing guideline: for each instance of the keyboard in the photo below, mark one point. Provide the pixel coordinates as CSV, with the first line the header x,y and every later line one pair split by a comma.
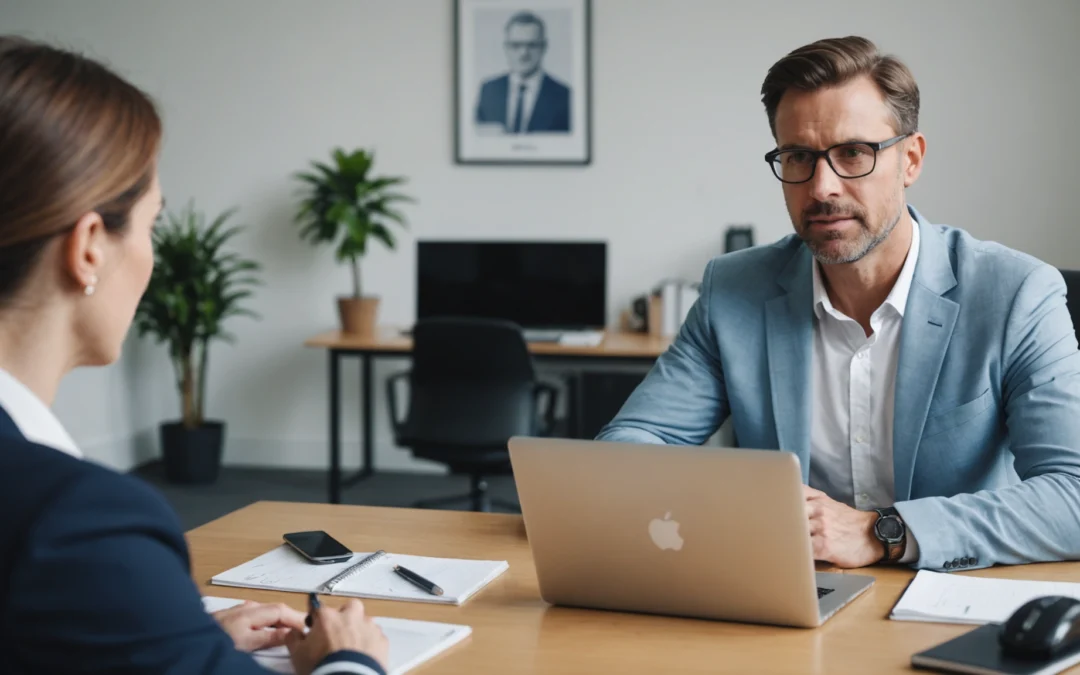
x,y
540,335
822,592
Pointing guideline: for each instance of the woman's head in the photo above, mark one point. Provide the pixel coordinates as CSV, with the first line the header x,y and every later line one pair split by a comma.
x,y
78,193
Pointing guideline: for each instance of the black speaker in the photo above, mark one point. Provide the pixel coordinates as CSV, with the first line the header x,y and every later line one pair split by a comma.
x,y
738,237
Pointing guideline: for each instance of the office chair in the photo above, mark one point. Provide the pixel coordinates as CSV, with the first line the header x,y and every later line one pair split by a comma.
x,y
471,388
1072,297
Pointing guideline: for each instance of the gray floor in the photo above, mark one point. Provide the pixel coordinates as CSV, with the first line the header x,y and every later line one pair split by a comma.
x,y
238,487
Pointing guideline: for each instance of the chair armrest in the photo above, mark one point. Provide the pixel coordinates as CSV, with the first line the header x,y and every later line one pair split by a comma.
x,y
392,386
547,396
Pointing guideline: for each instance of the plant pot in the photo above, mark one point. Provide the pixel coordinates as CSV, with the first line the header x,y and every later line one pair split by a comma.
x,y
358,315
192,456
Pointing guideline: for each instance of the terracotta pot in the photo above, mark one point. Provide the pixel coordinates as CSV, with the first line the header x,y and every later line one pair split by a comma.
x,y
358,315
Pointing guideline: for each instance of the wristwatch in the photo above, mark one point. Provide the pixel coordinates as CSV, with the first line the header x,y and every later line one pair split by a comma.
x,y
891,531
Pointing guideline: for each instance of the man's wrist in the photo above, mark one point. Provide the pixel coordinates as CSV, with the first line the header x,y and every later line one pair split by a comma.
x,y
891,531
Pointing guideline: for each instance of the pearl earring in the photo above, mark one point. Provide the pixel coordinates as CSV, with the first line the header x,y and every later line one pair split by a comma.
x,y
90,287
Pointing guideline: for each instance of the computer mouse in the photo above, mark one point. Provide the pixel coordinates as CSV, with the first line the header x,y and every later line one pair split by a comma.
x,y
1042,628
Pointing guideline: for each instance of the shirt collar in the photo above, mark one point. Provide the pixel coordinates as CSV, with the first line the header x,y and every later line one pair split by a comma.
x,y
530,82
897,296
34,419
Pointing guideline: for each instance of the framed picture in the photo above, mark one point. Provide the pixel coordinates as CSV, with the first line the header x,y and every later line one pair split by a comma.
x,y
523,82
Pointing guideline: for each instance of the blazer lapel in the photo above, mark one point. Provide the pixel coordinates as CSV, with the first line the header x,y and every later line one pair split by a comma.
x,y
789,335
928,325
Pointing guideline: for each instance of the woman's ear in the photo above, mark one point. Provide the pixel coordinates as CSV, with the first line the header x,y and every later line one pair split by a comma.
x,y
85,251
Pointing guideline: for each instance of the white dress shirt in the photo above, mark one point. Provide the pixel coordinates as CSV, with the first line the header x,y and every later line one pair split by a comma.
x,y
34,419
854,382
532,91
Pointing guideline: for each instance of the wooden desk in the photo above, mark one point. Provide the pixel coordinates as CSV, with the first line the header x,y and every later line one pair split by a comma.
x,y
514,631
389,341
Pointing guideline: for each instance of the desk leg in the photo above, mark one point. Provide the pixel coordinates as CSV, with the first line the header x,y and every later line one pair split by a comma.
x,y
369,422
335,428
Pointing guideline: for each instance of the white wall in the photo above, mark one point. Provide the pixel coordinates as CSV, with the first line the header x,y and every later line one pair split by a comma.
x,y
253,89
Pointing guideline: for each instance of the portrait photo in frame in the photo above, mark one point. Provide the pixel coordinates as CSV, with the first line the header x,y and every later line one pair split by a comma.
x,y
523,82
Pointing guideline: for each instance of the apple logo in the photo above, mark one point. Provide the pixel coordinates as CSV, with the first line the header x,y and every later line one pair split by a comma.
x,y
665,533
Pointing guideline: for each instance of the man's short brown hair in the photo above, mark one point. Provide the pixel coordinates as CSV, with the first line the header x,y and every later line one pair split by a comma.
x,y
835,61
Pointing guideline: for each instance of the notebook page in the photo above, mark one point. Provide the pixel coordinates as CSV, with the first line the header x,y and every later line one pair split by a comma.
x,y
950,598
459,579
282,569
411,642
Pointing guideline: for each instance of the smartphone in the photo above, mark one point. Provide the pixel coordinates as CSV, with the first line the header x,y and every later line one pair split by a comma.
x,y
318,547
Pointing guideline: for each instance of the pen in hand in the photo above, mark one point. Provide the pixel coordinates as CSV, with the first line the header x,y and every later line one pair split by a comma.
x,y
417,580
313,606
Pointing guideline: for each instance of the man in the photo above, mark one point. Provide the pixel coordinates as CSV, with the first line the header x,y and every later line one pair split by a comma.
x,y
929,382
525,100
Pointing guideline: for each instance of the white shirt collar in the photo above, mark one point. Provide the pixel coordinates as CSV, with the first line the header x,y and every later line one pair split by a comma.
x,y
897,296
530,82
34,419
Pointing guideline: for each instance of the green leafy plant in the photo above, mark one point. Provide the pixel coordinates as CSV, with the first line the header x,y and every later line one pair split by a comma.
x,y
344,205
194,288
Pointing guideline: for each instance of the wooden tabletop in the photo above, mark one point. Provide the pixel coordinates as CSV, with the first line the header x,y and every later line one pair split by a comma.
x,y
514,631
390,340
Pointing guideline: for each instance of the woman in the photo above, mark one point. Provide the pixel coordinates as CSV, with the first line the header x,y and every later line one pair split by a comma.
x,y
95,570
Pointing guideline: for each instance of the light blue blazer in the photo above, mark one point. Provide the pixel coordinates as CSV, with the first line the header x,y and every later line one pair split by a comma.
x,y
986,444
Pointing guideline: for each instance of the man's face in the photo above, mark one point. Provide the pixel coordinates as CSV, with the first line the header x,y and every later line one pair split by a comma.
x,y
525,48
841,220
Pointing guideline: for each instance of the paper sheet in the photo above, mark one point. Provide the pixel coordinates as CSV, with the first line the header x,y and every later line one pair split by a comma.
x,y
951,598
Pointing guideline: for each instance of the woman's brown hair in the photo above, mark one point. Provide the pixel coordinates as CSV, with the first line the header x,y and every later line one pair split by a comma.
x,y
75,138
833,62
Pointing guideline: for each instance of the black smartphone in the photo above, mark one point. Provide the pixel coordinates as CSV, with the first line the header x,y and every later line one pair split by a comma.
x,y
318,547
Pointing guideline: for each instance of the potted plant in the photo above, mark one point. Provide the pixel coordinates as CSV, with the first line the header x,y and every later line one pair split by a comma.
x,y
345,206
194,288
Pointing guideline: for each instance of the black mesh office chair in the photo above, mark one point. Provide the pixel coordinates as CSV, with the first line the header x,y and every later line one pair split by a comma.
x,y
1072,298
471,388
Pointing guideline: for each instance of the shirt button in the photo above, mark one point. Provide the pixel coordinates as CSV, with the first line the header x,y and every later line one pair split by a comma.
x,y
862,355
860,439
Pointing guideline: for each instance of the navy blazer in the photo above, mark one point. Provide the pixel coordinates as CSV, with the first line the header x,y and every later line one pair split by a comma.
x,y
551,112
96,575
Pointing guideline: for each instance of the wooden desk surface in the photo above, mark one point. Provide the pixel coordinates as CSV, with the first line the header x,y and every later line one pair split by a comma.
x,y
514,631
389,340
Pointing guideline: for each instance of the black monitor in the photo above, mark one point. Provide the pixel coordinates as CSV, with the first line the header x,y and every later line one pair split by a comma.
x,y
536,284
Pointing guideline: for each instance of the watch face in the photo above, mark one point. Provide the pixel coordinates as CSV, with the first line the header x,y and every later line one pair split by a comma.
x,y
890,528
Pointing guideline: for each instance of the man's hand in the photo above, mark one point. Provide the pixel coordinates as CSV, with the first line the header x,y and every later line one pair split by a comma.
x,y
334,630
840,534
247,624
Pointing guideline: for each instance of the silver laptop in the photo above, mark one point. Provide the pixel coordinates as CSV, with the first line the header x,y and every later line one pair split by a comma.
x,y
688,531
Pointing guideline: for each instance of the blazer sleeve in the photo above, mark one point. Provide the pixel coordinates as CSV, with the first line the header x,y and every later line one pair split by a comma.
x,y
1037,519
683,400
104,585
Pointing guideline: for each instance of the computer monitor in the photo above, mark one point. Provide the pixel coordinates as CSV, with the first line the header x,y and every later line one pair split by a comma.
x,y
536,284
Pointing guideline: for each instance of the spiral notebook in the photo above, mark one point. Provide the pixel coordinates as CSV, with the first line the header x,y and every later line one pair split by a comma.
x,y
412,643
366,575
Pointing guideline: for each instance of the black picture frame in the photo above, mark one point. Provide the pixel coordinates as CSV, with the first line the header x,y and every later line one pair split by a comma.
x,y
483,103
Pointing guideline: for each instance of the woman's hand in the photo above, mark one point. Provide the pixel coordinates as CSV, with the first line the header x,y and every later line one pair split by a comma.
x,y
247,624
348,628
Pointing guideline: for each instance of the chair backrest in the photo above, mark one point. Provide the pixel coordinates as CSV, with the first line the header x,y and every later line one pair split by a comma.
x,y
1072,297
472,384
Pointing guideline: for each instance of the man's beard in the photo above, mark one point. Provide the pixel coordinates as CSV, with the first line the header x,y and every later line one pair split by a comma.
x,y
865,242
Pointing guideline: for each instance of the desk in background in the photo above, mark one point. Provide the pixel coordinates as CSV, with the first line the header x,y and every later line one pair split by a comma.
x,y
514,631
616,347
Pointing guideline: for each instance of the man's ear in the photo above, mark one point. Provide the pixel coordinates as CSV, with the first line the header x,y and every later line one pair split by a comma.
x,y
913,156
85,250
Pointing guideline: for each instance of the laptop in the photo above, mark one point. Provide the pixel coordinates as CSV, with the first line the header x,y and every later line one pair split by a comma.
x,y
712,533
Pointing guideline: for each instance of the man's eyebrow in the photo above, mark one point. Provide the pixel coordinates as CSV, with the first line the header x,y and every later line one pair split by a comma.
x,y
797,146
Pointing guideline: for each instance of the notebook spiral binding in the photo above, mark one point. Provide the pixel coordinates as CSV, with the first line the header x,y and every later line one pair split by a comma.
x,y
329,584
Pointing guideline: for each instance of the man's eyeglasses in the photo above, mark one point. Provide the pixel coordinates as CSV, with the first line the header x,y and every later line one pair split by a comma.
x,y
520,45
848,160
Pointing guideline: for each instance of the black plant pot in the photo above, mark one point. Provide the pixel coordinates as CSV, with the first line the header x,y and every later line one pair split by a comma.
x,y
192,455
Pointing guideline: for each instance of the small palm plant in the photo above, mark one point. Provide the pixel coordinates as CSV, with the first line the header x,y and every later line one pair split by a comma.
x,y
345,206
195,287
